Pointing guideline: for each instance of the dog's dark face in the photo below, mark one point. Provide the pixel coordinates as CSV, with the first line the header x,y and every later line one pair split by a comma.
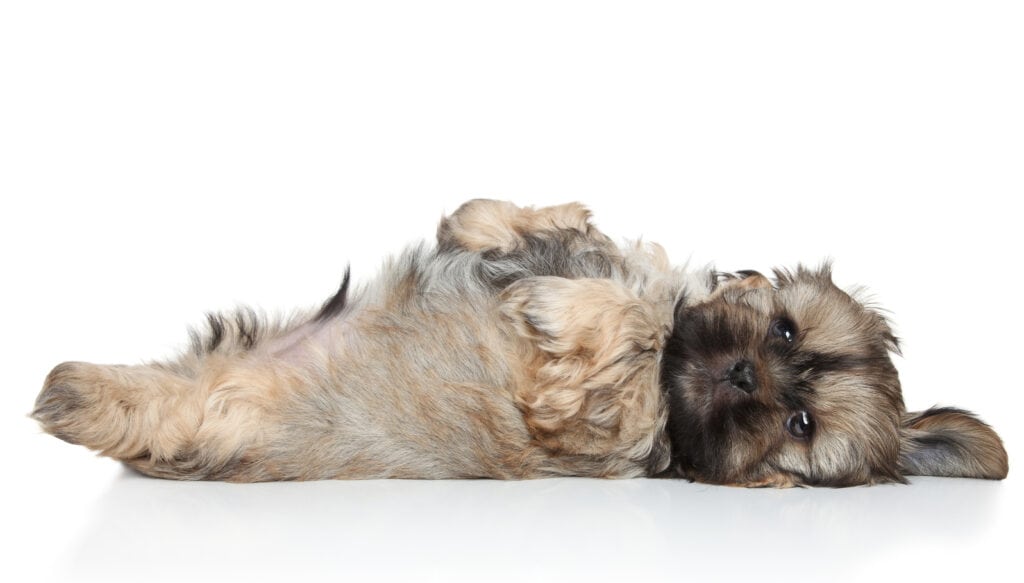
x,y
791,383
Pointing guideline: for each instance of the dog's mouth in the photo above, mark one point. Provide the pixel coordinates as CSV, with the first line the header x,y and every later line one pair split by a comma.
x,y
718,396
718,384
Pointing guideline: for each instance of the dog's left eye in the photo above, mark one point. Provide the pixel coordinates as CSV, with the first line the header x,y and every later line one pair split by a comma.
x,y
784,328
800,425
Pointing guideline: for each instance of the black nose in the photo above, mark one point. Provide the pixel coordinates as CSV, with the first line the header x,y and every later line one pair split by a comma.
x,y
742,376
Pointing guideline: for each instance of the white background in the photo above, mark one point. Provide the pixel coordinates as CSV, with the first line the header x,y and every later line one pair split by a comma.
x,y
158,160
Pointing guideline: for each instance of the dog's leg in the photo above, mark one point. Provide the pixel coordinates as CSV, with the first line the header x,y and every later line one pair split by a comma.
x,y
519,242
501,227
124,412
515,243
595,351
211,422
211,414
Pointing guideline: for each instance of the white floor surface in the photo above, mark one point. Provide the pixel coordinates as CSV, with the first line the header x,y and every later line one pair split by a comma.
x,y
110,524
162,159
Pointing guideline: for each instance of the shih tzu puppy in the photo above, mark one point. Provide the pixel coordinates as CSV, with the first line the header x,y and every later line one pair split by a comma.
x,y
526,344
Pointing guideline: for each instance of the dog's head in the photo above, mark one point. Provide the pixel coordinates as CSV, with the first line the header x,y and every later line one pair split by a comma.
x,y
790,382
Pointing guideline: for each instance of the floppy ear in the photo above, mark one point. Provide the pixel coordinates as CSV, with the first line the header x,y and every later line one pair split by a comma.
x,y
950,442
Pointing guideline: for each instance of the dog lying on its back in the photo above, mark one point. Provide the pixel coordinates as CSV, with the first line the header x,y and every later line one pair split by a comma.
x,y
526,344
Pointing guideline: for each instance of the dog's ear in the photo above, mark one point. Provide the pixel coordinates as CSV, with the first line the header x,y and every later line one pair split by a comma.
x,y
747,279
950,442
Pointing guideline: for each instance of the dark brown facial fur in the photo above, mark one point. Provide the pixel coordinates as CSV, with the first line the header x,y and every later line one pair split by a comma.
x,y
791,383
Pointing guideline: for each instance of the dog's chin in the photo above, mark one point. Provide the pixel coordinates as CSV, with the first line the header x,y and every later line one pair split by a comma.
x,y
700,418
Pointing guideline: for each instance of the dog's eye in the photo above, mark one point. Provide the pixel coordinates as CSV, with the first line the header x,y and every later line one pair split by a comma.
x,y
800,425
784,328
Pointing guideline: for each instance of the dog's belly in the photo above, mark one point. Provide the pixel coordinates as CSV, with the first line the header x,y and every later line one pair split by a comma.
x,y
419,388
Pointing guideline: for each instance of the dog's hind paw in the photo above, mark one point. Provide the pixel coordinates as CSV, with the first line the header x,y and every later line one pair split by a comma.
x,y
59,404
84,404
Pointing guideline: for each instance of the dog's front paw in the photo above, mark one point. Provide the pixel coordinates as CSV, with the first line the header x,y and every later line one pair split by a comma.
x,y
589,320
771,481
491,225
593,389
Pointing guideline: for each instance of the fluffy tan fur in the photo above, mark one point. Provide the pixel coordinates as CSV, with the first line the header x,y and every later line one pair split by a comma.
x,y
524,344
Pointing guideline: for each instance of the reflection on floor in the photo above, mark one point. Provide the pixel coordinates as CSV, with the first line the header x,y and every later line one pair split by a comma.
x,y
565,529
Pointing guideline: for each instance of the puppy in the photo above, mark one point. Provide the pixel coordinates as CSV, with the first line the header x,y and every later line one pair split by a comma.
x,y
526,344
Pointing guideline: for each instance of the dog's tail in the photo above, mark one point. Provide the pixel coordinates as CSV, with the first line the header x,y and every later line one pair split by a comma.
x,y
244,329
336,304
